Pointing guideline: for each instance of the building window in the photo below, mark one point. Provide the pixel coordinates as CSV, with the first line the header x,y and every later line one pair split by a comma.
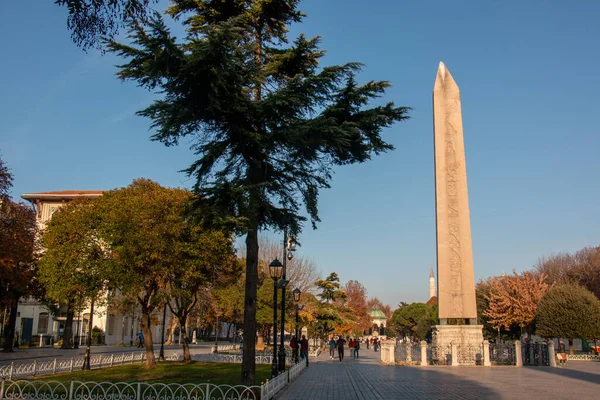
x,y
43,323
110,324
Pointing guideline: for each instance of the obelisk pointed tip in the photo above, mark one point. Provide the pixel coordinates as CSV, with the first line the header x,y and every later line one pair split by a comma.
x,y
442,68
444,79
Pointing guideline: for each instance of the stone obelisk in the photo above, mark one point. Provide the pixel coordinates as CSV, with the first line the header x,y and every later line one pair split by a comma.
x,y
456,282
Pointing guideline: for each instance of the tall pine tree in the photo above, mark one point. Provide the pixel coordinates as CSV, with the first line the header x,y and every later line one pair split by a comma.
x,y
268,124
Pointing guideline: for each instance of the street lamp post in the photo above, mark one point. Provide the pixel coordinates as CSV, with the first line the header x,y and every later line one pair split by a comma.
x,y
217,330
86,357
289,245
297,293
161,355
276,271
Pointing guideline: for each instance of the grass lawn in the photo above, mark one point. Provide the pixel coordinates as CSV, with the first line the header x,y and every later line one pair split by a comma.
x,y
166,372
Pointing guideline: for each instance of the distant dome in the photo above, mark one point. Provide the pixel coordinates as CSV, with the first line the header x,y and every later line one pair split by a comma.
x,y
377,314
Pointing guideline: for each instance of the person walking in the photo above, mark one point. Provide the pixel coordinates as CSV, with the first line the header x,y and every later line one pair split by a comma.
x,y
351,346
562,352
367,343
331,348
304,349
294,345
356,348
140,337
340,348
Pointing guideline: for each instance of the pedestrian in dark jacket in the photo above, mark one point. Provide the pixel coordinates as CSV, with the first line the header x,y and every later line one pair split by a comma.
x,y
331,348
304,349
340,348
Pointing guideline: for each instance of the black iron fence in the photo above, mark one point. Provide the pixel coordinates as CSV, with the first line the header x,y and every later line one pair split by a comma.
x,y
470,354
535,354
41,341
408,354
503,353
439,355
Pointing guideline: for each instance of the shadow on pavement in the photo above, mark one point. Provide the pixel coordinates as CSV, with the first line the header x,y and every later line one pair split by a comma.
x,y
572,372
366,378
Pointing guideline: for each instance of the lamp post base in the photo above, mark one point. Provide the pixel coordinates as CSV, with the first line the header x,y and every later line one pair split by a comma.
x,y
281,357
274,371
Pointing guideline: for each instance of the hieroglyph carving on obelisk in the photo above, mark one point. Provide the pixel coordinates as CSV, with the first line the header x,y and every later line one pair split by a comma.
x,y
456,284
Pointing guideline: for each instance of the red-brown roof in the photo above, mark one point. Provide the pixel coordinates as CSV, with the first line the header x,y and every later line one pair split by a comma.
x,y
71,192
67,194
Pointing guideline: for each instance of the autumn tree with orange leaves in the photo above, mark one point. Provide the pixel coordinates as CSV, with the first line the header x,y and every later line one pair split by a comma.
x,y
356,295
17,254
513,300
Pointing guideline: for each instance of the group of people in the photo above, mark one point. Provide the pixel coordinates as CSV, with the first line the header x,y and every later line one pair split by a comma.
x,y
335,344
301,345
353,344
375,343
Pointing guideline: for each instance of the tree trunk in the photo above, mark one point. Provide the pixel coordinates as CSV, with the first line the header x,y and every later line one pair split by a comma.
x,y
171,331
9,329
229,331
186,346
88,347
148,344
122,342
249,351
571,349
68,333
131,330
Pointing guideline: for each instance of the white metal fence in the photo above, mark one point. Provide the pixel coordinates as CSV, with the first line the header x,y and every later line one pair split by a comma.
x,y
232,358
55,366
583,357
225,347
270,388
76,390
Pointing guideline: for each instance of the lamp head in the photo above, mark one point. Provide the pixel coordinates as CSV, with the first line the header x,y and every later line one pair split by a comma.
x,y
276,269
291,243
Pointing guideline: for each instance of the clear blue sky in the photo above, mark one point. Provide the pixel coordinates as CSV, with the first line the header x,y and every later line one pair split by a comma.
x,y
528,74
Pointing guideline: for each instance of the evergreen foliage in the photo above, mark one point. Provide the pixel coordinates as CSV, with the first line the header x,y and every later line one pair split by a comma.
x,y
90,20
414,320
568,311
330,288
267,123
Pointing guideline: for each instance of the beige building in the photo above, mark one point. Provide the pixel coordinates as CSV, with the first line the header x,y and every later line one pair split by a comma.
x,y
40,326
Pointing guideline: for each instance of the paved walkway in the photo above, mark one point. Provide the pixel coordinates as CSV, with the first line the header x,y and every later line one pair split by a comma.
x,y
366,378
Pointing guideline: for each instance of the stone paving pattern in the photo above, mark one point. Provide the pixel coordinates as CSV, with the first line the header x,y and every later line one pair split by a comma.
x,y
365,378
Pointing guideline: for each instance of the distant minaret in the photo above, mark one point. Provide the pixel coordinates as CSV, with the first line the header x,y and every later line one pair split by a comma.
x,y
431,283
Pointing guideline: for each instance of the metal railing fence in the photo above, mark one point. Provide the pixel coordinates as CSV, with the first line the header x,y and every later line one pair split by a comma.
x,y
38,368
76,390
503,353
270,388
